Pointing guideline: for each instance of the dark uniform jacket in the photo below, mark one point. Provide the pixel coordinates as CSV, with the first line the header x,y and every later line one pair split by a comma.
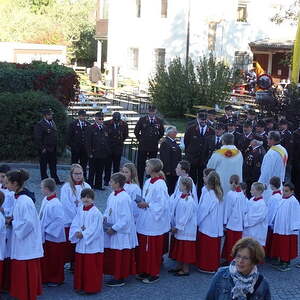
x,y
45,135
286,140
264,138
244,142
196,147
170,155
225,119
77,135
117,134
147,134
212,145
237,137
97,143
296,147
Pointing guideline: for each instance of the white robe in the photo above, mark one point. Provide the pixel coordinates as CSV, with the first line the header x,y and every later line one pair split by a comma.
x,y
227,166
52,221
26,230
210,214
256,221
93,236
2,237
235,209
287,217
132,189
69,198
119,213
273,203
185,219
272,165
154,220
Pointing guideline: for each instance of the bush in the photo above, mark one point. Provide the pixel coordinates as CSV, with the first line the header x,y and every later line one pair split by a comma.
x,y
20,113
54,79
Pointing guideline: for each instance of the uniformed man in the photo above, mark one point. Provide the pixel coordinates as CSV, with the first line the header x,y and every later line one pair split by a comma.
x,y
254,155
211,118
231,128
117,134
98,150
148,131
196,149
76,139
45,133
229,116
214,142
270,125
246,137
296,162
261,134
251,117
170,155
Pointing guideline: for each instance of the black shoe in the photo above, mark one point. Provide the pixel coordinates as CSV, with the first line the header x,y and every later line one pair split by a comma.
x,y
142,276
115,282
58,182
151,279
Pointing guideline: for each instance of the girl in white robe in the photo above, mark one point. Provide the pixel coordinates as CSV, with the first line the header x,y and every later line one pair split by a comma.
x,y
26,243
70,199
53,234
87,233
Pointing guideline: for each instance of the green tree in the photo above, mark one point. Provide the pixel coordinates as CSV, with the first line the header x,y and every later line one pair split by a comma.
x,y
290,13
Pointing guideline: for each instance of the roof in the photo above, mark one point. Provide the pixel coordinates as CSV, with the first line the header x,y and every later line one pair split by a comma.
x,y
267,44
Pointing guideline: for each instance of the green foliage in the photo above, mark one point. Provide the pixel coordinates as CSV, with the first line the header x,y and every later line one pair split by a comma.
x,y
20,113
287,13
57,80
290,106
176,88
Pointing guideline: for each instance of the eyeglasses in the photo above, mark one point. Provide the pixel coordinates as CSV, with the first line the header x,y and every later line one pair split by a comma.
x,y
77,173
242,258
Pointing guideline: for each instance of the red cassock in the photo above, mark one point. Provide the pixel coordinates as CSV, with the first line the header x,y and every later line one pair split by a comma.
x,y
69,248
166,243
88,275
284,246
6,274
208,252
269,242
119,263
183,251
1,275
231,237
53,262
26,279
149,254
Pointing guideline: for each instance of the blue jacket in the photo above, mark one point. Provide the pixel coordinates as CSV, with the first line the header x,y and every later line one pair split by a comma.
x,y
222,284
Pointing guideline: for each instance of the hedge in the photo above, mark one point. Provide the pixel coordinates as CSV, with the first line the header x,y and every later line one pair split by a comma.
x,y
19,114
54,79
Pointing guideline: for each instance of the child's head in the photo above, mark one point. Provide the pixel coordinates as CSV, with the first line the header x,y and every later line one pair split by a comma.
x,y
288,189
243,186
3,170
117,181
2,197
76,174
15,179
214,183
206,172
234,181
257,189
275,183
183,168
48,186
153,165
185,185
130,172
87,196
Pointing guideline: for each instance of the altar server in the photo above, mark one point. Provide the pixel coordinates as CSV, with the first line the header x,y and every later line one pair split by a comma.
x,y
87,233
2,241
152,223
26,247
53,235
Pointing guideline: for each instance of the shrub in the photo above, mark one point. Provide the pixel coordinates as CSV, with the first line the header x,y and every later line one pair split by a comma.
x,y
20,113
54,79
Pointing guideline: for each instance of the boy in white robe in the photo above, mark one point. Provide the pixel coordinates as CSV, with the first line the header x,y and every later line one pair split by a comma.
x,y
53,234
87,233
120,237
2,241
286,225
256,217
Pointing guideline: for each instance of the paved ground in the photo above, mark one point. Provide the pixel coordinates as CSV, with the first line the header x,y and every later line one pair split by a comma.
x,y
283,285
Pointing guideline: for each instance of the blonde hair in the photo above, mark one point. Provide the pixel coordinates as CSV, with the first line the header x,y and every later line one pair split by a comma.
x,y
214,183
234,181
258,186
133,172
71,180
187,182
156,165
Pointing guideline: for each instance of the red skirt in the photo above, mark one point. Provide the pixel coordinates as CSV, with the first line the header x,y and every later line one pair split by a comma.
x,y
269,241
69,248
6,274
119,263
284,247
166,243
231,237
88,275
26,279
149,254
1,275
53,262
208,252
183,251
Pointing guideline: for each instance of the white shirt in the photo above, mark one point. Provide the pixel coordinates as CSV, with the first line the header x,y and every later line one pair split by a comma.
x,y
2,237
9,200
52,221
26,230
273,203
132,189
93,237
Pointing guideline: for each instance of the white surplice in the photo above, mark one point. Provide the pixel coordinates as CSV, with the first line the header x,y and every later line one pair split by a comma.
x,y
2,237
273,203
132,189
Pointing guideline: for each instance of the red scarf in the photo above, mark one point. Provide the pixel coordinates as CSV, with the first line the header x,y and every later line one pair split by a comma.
x,y
287,197
153,180
276,192
238,189
128,182
258,198
78,182
86,208
184,195
51,197
119,191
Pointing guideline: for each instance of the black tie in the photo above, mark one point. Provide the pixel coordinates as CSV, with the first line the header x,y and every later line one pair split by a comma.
x,y
202,131
151,121
218,140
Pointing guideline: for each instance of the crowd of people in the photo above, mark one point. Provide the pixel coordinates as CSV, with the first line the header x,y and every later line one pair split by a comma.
x,y
233,183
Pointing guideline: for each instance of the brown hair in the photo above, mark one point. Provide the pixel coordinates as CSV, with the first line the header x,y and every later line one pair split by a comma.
x,y
187,182
234,181
207,171
133,171
87,193
258,186
2,197
185,165
50,184
275,181
214,183
119,178
18,176
71,180
156,164
257,252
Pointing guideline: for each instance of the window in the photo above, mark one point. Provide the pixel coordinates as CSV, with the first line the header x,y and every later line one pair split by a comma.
x,y
104,9
164,8
242,13
160,57
134,58
138,8
212,29
242,60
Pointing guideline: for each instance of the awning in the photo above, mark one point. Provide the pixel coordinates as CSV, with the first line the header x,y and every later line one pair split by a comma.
x,y
270,44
